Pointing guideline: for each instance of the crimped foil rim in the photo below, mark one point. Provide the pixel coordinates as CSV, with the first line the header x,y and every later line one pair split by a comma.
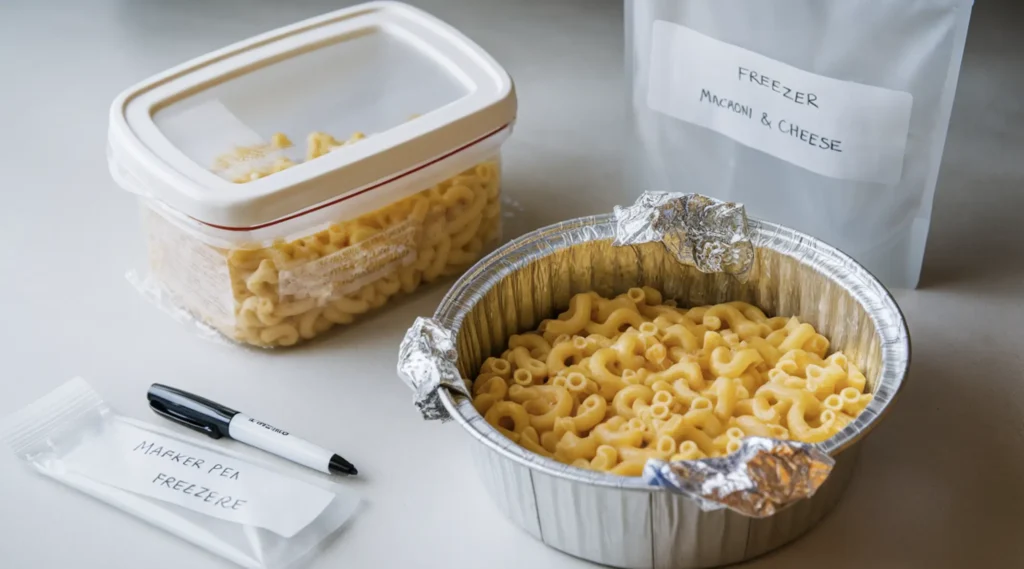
x,y
888,319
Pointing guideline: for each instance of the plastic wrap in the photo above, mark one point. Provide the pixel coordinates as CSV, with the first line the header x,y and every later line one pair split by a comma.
x,y
241,510
295,289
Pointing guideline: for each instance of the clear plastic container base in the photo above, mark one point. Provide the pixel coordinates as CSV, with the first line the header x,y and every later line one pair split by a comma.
x,y
291,290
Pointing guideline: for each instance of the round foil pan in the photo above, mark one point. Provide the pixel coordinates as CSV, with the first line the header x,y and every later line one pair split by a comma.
x,y
620,521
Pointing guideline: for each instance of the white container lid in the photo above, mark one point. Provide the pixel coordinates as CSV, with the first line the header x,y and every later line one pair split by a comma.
x,y
370,68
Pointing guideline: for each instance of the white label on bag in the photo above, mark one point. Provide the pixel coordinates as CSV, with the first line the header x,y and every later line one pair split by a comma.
x,y
350,269
199,479
839,129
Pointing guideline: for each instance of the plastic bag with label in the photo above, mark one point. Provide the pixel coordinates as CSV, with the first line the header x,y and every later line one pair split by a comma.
x,y
241,510
827,116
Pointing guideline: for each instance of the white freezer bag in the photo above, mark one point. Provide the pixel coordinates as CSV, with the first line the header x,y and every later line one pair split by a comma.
x,y
216,499
827,116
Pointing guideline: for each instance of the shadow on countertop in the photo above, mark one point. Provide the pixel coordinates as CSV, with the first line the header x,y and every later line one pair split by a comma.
x,y
977,232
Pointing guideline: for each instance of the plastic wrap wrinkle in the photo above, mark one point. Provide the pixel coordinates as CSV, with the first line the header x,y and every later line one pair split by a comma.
x,y
150,289
758,480
708,233
426,362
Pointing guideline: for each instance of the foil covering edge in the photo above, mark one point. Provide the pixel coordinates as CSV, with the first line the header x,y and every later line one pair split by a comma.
x,y
762,477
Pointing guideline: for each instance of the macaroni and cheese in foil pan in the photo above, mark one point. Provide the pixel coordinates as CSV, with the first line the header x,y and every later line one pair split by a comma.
x,y
672,386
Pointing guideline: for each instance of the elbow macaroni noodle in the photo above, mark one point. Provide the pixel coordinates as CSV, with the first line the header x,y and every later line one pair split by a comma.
x,y
280,294
611,383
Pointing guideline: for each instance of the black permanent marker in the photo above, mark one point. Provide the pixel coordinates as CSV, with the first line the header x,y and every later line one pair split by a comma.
x,y
219,421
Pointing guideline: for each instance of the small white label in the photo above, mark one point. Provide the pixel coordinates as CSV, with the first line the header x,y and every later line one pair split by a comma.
x,y
350,269
834,128
195,273
199,479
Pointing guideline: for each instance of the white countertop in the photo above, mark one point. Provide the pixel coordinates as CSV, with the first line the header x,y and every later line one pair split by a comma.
x,y
939,482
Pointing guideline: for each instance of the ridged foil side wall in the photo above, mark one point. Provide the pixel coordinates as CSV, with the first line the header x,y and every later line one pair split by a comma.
x,y
618,521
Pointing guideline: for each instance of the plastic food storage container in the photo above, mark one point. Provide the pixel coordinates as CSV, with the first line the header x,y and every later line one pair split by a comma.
x,y
296,180
622,521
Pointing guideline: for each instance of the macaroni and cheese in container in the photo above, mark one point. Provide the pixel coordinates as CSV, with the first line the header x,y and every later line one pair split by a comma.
x,y
296,180
735,364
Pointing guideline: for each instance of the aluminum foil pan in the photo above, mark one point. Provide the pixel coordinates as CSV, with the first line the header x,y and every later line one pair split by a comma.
x,y
626,522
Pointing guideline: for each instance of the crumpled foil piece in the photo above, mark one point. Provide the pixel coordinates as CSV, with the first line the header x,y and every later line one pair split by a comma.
x,y
708,233
426,362
761,478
